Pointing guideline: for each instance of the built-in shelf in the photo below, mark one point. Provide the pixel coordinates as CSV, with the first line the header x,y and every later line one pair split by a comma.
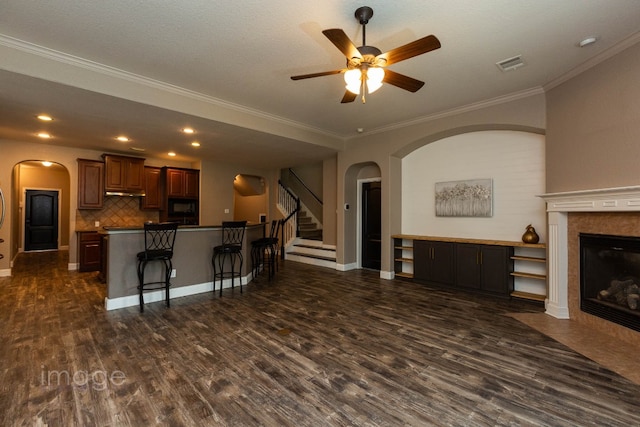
x,y
405,275
528,258
528,296
529,275
404,259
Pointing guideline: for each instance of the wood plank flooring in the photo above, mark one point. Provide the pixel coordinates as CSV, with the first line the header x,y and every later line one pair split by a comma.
x,y
312,347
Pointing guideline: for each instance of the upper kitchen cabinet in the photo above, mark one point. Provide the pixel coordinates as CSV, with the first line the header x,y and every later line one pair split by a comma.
x,y
181,183
90,184
123,174
153,196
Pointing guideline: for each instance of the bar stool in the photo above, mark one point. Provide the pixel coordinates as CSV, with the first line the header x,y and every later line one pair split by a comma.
x,y
159,239
230,250
264,251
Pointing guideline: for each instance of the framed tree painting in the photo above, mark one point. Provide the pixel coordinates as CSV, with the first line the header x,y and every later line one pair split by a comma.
x,y
468,198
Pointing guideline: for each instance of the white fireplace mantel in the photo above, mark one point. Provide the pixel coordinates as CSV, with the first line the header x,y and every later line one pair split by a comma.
x,y
620,199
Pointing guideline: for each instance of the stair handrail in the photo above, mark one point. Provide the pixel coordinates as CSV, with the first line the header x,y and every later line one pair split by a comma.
x,y
292,172
290,204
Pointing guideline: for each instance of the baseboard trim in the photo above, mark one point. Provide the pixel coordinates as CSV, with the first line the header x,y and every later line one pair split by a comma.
x,y
387,275
158,295
346,267
5,272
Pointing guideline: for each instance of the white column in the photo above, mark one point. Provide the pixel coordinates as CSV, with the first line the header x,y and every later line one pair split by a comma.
x,y
557,302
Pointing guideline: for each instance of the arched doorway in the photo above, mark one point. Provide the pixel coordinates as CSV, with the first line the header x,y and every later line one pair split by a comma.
x,y
41,206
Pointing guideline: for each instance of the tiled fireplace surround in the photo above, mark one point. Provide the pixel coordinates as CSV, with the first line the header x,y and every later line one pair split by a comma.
x,y
614,211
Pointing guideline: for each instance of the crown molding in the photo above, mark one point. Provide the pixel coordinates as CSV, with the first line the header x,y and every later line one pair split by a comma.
x,y
117,73
592,62
460,110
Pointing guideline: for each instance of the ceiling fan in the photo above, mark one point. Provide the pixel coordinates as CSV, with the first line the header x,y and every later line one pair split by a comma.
x,y
365,70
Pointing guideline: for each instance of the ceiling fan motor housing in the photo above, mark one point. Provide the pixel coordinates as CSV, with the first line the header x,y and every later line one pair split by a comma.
x,y
363,14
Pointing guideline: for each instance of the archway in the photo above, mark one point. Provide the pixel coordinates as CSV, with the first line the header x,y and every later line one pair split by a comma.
x,y
37,176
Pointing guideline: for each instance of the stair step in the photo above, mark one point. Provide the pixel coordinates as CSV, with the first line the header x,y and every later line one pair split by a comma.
x,y
322,257
302,245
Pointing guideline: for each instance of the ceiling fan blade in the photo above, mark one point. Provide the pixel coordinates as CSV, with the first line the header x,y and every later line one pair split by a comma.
x,y
342,42
324,73
402,81
415,48
348,97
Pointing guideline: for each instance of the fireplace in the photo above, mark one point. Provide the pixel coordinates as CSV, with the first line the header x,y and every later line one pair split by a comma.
x,y
610,278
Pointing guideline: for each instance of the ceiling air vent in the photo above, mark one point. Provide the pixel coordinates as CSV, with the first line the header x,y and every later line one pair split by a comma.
x,y
510,63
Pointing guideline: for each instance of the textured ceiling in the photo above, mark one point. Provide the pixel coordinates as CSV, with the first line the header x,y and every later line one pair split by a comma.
x,y
150,68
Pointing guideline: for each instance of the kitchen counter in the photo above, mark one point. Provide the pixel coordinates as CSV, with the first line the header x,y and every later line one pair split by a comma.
x,y
192,254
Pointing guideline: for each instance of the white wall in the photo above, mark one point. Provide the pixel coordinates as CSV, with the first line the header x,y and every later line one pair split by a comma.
x,y
515,161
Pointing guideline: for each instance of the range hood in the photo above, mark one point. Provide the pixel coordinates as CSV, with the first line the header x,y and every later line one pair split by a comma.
x,y
125,193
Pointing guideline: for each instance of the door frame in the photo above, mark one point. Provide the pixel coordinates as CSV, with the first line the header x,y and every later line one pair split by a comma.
x,y
23,212
359,183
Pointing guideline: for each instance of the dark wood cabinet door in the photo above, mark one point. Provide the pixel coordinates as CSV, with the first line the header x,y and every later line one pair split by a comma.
x,y
115,175
90,184
421,260
496,266
443,263
191,184
433,262
89,251
134,173
152,199
468,266
175,183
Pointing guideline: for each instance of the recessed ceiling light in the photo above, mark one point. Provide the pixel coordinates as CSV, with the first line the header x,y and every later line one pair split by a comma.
x,y
587,41
171,153
136,149
188,130
122,138
195,144
47,164
44,135
45,118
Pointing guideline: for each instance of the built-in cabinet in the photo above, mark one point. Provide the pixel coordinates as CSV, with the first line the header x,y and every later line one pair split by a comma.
x,y
90,184
123,174
89,251
434,262
152,189
182,183
486,266
180,190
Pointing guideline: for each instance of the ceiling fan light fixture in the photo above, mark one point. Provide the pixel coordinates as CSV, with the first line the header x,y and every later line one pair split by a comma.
x,y
353,79
375,75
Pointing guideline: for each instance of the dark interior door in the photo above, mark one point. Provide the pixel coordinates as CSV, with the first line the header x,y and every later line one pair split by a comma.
x,y
41,220
371,225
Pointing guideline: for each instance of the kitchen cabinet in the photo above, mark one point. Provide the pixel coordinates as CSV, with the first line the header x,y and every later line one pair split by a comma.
x,y
89,251
434,262
484,268
153,197
182,183
90,184
123,174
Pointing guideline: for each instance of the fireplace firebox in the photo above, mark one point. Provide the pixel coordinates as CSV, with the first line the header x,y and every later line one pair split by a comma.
x,y
610,278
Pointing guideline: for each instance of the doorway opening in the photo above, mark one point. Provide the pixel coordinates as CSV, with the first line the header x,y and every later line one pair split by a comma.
x,y
370,219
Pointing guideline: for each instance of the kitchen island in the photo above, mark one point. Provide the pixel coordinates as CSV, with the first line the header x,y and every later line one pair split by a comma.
x,y
192,254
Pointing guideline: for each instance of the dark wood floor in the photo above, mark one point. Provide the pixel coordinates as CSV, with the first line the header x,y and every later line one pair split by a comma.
x,y
313,347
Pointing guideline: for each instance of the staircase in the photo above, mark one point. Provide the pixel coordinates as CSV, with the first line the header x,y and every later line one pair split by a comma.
x,y
313,252
308,228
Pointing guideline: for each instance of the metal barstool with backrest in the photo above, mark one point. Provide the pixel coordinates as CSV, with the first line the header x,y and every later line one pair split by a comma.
x,y
159,239
229,252
260,246
271,248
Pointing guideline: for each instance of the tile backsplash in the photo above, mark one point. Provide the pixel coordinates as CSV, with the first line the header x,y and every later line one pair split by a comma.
x,y
116,212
